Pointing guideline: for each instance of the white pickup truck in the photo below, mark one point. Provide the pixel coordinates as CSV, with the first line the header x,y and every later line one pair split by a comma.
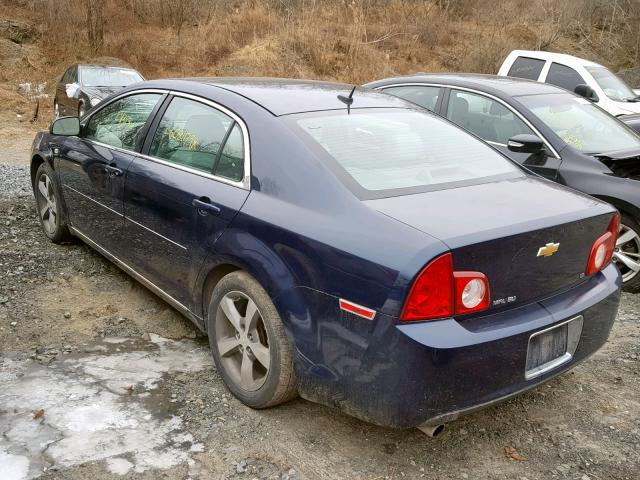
x,y
593,81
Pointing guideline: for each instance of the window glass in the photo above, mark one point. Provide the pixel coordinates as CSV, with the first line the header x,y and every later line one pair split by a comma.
x,y
580,123
525,67
120,123
108,76
383,150
488,119
231,162
190,134
563,76
66,78
612,85
426,97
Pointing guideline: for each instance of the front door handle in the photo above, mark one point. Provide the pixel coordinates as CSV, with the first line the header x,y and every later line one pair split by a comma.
x,y
204,206
113,171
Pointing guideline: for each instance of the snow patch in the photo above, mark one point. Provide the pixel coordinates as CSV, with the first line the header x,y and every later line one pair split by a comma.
x,y
94,410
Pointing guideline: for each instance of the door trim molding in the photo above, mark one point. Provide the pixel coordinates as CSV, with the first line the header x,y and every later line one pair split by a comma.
x,y
94,201
138,276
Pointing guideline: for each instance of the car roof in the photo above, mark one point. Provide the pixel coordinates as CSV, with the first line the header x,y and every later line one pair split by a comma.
x,y
494,84
286,96
563,58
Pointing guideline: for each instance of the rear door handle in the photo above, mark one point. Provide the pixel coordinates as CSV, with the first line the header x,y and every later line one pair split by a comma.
x,y
204,206
113,171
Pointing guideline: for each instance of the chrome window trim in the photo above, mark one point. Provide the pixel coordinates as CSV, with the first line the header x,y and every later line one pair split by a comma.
x,y
245,183
478,92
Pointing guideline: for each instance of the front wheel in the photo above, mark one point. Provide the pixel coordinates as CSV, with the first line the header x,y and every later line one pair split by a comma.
x,y
49,205
627,253
249,343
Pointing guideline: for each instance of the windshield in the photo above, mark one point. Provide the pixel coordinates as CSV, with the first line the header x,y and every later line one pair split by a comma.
x,y
580,123
612,85
386,152
108,77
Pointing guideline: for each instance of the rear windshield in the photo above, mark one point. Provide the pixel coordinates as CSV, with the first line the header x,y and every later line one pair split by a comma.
x,y
389,152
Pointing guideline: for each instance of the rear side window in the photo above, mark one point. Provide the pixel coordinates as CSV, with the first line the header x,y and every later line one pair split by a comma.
x,y
389,152
426,97
487,118
525,67
120,123
563,76
192,134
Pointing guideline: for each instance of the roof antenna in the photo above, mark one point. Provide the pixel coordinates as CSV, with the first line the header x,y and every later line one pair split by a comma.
x,y
348,100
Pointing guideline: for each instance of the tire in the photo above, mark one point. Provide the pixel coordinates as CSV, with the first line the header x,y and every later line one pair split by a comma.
x,y
628,249
251,343
49,205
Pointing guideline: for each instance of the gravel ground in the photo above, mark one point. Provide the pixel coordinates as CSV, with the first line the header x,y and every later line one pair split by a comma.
x,y
14,181
99,378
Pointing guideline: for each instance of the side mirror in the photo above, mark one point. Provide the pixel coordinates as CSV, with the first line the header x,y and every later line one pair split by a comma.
x,y
65,126
587,92
525,143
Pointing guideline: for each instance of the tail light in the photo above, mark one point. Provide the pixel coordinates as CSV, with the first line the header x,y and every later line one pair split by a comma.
x,y
439,292
603,247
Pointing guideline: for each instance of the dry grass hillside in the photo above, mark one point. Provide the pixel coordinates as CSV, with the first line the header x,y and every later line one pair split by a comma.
x,y
353,41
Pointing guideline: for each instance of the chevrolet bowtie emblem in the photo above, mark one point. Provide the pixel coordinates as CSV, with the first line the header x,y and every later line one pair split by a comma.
x,y
548,250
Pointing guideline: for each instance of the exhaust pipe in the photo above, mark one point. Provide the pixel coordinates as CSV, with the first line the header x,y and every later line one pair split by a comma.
x,y
432,430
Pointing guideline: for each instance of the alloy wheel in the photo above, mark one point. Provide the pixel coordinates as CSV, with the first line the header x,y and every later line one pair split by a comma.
x,y
242,341
627,253
47,206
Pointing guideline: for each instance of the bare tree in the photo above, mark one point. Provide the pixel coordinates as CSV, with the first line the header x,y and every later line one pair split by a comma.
x,y
95,29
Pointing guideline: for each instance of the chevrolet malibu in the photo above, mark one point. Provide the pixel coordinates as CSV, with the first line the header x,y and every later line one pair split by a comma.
x,y
334,243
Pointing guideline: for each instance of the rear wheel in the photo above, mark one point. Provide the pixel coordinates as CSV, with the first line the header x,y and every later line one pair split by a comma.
x,y
49,205
249,343
627,253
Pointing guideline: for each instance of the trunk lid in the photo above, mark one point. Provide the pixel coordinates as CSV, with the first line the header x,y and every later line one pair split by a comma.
x,y
499,228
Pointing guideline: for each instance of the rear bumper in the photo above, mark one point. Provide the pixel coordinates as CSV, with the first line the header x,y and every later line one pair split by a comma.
x,y
432,372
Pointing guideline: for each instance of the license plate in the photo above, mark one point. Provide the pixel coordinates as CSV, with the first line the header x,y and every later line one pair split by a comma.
x,y
552,347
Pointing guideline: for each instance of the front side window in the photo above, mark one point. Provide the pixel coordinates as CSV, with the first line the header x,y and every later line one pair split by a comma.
x,y
192,134
120,123
612,85
388,152
580,123
487,118
426,97
563,76
525,67
108,77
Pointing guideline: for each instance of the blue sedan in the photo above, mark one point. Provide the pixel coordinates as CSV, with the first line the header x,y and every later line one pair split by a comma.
x,y
334,243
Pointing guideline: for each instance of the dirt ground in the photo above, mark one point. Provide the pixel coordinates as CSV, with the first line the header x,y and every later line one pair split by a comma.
x,y
101,379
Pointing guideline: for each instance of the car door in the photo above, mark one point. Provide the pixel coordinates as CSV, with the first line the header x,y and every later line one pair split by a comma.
x,y
495,122
92,166
180,195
